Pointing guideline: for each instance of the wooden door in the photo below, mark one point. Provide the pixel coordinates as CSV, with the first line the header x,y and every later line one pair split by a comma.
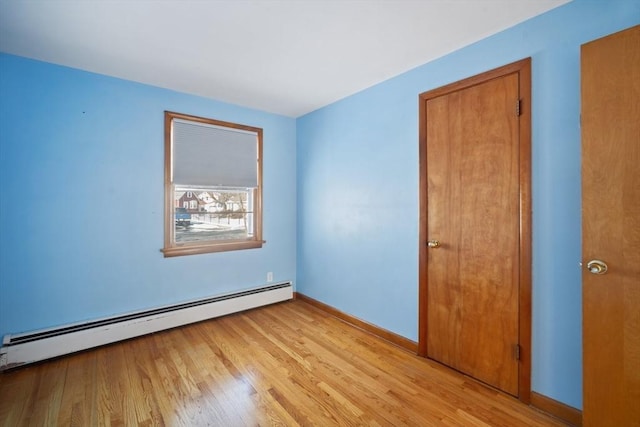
x,y
611,229
476,173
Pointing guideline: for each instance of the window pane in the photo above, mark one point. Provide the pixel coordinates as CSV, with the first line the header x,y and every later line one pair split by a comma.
x,y
204,215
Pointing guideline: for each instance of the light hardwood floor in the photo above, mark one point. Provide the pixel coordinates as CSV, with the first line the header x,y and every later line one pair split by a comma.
x,y
287,364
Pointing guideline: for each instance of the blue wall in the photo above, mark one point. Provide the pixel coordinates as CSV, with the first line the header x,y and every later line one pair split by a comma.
x,y
81,202
358,187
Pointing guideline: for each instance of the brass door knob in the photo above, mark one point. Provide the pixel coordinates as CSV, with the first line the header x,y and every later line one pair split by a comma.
x,y
433,244
595,266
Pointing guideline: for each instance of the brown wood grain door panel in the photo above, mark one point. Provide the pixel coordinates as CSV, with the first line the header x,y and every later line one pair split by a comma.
x,y
610,89
472,176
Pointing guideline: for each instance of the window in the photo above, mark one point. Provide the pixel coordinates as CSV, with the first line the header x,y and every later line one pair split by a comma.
x,y
213,170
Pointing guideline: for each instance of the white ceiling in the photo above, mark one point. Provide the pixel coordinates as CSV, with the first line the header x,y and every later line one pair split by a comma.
x,y
283,56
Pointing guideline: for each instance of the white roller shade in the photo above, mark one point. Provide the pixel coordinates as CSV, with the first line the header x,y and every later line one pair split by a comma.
x,y
208,155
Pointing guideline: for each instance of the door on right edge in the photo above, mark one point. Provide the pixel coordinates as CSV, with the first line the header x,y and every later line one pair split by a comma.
x,y
610,88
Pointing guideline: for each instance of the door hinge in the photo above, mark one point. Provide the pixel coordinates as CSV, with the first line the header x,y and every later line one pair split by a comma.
x,y
518,103
516,351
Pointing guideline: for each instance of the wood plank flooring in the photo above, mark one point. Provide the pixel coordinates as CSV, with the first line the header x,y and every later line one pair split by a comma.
x,y
287,364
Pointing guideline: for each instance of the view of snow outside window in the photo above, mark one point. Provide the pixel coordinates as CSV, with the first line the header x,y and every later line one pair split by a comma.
x,y
213,214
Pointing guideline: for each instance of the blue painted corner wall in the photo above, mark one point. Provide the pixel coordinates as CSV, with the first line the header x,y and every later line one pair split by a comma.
x,y
82,196
358,187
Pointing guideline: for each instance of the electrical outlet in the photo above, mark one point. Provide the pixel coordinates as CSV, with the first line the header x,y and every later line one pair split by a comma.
x,y
269,277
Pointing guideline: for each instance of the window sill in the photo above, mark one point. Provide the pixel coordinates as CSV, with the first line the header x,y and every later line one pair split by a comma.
x,y
205,249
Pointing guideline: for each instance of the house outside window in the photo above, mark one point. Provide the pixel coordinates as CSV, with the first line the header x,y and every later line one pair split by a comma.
x,y
213,169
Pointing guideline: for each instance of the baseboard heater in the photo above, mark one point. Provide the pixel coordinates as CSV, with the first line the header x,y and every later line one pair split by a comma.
x,y
20,349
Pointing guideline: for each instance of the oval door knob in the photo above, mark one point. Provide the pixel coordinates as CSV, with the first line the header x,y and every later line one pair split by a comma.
x,y
595,266
433,244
